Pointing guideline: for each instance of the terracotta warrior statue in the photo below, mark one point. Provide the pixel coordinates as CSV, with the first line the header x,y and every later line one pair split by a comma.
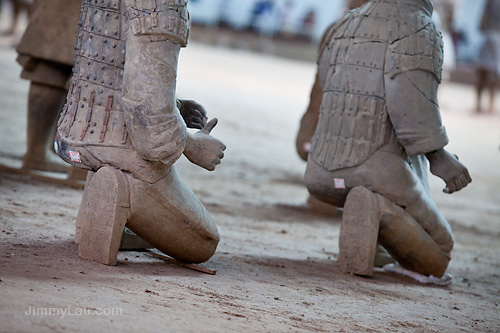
x,y
123,124
379,68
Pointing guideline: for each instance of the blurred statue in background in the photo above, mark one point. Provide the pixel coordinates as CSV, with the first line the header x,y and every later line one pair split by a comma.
x,y
379,69
122,122
489,55
18,6
46,54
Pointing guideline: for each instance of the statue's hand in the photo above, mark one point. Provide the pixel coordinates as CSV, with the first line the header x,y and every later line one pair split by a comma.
x,y
194,114
447,167
203,149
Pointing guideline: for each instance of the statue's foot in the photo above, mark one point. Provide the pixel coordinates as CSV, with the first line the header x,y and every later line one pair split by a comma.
x,y
104,215
445,280
131,242
359,232
50,162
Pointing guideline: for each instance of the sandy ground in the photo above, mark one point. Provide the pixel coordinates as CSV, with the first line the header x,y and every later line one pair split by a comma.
x,y
276,263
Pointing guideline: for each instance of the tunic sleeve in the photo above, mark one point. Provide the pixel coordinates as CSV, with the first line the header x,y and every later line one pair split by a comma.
x,y
411,77
155,125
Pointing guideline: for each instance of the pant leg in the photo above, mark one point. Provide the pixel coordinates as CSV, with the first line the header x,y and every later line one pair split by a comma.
x,y
169,216
390,174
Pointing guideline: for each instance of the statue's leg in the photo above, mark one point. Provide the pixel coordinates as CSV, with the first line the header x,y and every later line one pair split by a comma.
x,y
358,232
482,76
493,85
405,185
44,104
129,240
369,217
169,216
408,242
389,174
103,214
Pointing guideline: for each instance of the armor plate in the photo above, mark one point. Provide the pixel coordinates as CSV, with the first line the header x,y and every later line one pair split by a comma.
x,y
363,47
93,114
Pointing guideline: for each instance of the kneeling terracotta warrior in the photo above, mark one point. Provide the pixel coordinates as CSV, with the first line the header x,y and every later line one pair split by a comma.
x,y
122,122
379,124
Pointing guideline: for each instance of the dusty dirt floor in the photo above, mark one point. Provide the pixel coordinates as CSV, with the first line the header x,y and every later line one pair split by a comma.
x,y
276,262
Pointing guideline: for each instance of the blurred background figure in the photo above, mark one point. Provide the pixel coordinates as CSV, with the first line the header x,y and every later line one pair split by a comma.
x,y
18,7
308,24
261,18
286,24
224,13
489,57
46,53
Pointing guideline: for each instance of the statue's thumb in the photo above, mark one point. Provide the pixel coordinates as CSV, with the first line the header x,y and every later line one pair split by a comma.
x,y
209,126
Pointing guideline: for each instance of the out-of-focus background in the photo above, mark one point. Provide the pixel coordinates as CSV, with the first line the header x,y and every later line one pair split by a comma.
x,y
293,28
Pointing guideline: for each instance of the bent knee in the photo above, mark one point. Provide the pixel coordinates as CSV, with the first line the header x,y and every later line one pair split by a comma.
x,y
320,184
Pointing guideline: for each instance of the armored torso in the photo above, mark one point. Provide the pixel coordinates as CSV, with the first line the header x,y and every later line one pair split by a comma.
x,y
384,37
93,115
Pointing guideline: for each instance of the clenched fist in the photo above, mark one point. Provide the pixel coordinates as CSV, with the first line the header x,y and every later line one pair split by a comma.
x,y
203,149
